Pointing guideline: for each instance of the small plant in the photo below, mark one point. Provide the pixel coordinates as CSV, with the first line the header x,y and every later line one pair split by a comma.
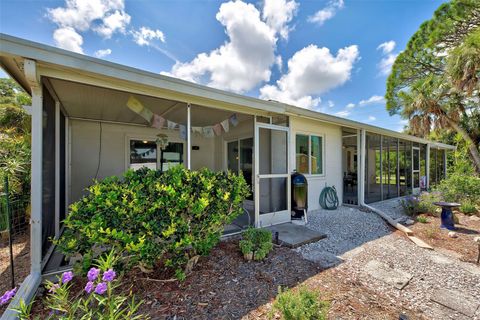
x,y
256,243
97,302
409,205
468,207
431,233
422,219
301,304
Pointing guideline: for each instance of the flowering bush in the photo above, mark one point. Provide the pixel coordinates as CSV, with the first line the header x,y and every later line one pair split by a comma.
x,y
97,302
7,296
171,217
421,204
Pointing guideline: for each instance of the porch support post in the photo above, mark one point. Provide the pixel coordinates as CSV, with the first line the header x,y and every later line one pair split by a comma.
x,y
361,184
57,169
427,166
36,167
189,137
29,286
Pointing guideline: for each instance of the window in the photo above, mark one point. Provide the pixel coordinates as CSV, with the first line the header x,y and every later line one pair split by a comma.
x,y
144,153
309,154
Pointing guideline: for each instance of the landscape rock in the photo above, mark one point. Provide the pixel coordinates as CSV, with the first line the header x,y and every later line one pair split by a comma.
x,y
453,234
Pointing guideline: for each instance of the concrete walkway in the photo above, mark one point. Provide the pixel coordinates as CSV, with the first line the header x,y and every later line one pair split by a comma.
x,y
434,284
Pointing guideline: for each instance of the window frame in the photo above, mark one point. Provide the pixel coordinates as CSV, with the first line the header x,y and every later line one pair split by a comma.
x,y
129,138
310,135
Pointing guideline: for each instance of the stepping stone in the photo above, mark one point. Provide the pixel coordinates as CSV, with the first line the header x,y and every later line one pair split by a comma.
x,y
380,271
323,258
457,301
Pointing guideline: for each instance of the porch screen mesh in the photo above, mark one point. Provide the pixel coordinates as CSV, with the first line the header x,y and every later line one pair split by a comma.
x,y
48,171
62,167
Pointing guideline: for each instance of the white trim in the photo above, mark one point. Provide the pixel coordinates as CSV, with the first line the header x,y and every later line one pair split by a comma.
x,y
57,169
309,134
416,190
36,168
67,165
189,137
147,137
271,218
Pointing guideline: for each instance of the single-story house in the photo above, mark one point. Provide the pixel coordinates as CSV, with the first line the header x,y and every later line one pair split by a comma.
x,y
92,118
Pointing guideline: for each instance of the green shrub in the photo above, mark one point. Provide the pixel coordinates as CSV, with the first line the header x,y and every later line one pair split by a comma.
x,y
256,243
169,218
422,219
468,207
301,304
459,187
421,204
426,200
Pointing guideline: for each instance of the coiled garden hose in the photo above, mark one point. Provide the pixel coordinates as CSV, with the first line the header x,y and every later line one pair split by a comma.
x,y
328,198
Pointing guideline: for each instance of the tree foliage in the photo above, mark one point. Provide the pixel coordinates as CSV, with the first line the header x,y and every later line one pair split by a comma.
x,y
14,137
434,82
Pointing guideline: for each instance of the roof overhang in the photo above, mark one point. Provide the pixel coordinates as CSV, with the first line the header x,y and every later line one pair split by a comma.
x,y
65,65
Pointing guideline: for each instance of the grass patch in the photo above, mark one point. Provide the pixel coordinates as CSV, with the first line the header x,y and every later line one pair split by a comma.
x,y
422,219
304,304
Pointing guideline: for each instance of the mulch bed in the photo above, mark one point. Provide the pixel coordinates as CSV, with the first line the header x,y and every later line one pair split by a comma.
x,y
467,229
225,286
21,253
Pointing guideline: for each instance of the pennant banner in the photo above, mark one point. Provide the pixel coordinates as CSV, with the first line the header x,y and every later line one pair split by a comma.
x,y
208,132
157,121
234,120
183,132
225,125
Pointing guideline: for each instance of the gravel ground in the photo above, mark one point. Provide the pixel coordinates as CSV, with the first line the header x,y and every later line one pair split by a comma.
x,y
392,207
355,238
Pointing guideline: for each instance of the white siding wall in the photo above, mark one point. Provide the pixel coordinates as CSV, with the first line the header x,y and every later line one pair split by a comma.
x,y
85,147
332,157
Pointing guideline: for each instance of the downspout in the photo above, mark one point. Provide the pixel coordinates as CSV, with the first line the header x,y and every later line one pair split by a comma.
x,y
29,286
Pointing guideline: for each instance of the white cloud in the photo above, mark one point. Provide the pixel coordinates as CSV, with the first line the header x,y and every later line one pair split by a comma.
x,y
67,38
105,17
371,119
372,100
387,47
246,58
385,65
326,13
102,53
331,104
350,106
312,71
278,13
145,35
342,114
117,21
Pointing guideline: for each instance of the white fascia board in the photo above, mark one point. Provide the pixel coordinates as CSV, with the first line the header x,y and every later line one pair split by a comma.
x,y
296,111
46,55
53,61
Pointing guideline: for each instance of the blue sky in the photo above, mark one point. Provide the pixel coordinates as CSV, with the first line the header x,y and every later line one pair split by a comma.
x,y
331,56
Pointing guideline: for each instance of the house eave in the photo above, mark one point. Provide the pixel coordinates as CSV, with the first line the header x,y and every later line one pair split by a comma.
x,y
64,64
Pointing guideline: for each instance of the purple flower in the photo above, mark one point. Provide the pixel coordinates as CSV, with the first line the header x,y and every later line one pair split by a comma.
x,y
89,287
67,276
101,288
7,296
54,288
109,275
92,274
